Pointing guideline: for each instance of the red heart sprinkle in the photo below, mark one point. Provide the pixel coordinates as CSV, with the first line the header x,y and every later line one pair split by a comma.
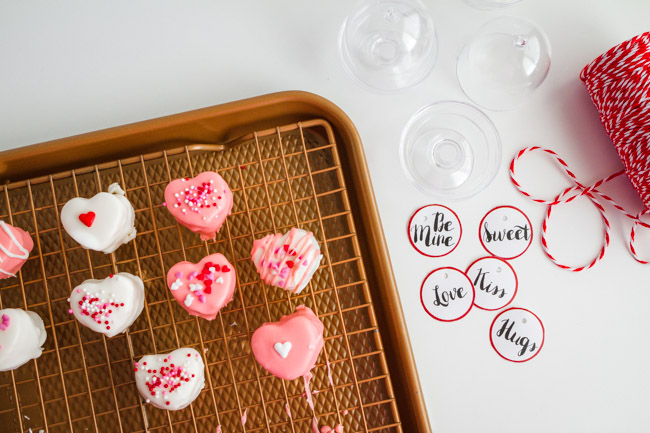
x,y
217,268
285,247
225,269
207,290
200,276
290,265
87,218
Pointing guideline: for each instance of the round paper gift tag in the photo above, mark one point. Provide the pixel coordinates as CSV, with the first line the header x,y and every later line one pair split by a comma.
x,y
434,230
495,282
505,232
517,334
447,294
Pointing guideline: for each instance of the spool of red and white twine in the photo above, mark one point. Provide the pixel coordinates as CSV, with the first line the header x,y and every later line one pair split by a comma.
x,y
619,84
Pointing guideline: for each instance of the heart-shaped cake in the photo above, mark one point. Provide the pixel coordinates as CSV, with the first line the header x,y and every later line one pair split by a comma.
x,y
15,246
287,261
170,381
205,287
108,306
201,204
101,223
22,335
290,347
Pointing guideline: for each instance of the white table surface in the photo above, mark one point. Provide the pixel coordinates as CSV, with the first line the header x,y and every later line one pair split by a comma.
x,y
69,67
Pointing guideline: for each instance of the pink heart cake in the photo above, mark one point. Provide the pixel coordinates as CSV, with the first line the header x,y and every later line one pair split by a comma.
x,y
290,347
201,204
15,246
205,287
287,261
172,380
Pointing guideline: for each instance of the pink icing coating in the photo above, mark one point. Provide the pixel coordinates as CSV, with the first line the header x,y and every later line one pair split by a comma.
x,y
15,246
303,329
284,262
201,204
199,295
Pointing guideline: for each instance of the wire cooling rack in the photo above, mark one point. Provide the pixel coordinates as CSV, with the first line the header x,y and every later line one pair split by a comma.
x,y
280,178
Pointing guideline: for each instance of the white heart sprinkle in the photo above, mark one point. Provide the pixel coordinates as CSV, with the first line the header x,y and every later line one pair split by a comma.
x,y
188,300
283,349
195,287
212,269
176,284
220,280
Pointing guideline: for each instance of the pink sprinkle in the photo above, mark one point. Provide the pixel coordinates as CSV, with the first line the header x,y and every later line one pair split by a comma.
x,y
78,290
244,417
5,322
178,275
192,275
210,276
202,299
70,311
345,412
164,203
305,263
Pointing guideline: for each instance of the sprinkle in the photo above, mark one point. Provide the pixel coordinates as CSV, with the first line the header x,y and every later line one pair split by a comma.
x,y
165,203
202,299
176,284
188,300
192,275
178,275
5,322
220,280
195,287
70,311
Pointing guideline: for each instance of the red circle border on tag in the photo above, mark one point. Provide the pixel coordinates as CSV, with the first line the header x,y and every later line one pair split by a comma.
x,y
540,345
480,238
513,271
408,234
470,284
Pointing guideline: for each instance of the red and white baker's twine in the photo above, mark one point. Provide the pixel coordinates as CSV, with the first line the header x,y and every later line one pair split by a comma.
x,y
619,84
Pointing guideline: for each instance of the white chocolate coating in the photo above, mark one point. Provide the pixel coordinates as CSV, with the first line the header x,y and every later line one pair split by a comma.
x,y
108,306
181,370
22,335
113,223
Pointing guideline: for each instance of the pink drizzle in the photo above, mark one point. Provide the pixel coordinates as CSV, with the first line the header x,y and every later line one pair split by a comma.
x,y
244,418
310,401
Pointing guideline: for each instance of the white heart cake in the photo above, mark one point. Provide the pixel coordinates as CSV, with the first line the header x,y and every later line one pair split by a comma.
x,y
101,223
170,381
22,335
108,306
